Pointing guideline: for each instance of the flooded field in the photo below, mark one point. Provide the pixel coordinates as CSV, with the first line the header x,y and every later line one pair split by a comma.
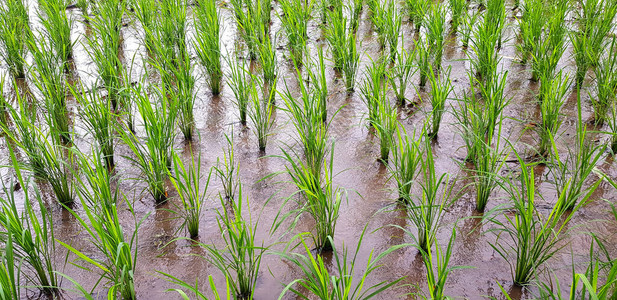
x,y
370,200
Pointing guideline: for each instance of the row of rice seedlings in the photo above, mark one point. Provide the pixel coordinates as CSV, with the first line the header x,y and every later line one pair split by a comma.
x,y
372,88
239,82
317,196
550,47
426,211
207,43
392,28
294,20
50,81
227,169
14,32
48,161
57,24
30,233
534,238
251,21
336,33
435,24
261,111
458,10
153,155
99,120
340,280
188,182
530,24
405,163
195,288
495,18
306,114
104,46
573,169
355,8
606,85
240,259
595,22
400,74
146,12
417,10
100,196
553,99
441,87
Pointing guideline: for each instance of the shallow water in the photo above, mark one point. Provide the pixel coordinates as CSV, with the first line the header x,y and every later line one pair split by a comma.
x,y
370,195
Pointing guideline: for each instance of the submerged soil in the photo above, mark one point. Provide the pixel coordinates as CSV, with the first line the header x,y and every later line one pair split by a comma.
x,y
370,203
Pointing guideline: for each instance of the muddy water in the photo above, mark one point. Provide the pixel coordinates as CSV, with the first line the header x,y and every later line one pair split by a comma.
x,y
370,194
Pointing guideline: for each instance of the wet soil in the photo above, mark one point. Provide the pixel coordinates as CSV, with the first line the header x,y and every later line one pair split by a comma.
x,y
371,195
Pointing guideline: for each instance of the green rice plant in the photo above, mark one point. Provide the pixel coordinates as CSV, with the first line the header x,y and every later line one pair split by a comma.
x,y
595,23
471,123
426,211
320,84
317,196
571,171
355,8
437,272
240,259
550,47
485,41
9,272
50,81
207,42
469,22
28,238
14,31
145,11
264,7
99,121
339,281
441,87
423,59
294,20
490,160
172,29
188,182
495,18
392,28
4,121
182,95
458,10
372,87
267,59
417,10
260,113
435,24
196,288
405,163
606,85
153,155
379,18
336,34
104,44
532,237
385,125
582,56
116,245
612,124
306,115
550,109
399,74
238,78
57,24
530,26
351,59
227,170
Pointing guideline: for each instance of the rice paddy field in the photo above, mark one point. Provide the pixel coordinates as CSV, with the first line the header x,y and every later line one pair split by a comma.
x,y
308,149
